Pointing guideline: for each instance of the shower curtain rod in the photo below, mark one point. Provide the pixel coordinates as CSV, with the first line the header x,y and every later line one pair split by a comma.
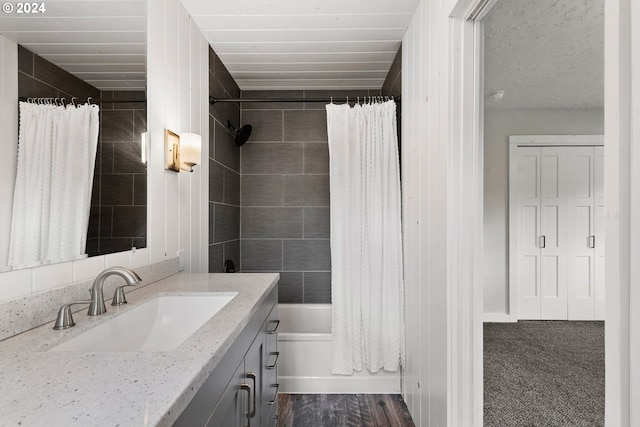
x,y
48,99
213,100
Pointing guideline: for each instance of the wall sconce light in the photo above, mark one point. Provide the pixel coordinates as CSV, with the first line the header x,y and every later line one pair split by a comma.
x,y
182,152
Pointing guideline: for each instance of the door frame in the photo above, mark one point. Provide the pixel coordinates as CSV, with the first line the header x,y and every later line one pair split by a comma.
x,y
622,192
516,141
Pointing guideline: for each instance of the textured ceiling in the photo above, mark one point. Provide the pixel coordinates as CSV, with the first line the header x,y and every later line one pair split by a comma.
x,y
101,42
304,44
545,54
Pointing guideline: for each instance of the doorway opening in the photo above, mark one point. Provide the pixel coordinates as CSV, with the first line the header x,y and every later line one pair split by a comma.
x,y
543,65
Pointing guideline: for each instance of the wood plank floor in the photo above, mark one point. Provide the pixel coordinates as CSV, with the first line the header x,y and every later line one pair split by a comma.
x,y
349,410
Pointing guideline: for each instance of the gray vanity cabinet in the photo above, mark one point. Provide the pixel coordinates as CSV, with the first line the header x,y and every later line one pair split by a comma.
x,y
240,390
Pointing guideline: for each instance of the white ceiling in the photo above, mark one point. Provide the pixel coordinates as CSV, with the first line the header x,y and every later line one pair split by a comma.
x,y
545,54
101,42
304,44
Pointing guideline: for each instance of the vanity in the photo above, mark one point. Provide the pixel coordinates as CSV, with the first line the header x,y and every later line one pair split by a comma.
x,y
224,374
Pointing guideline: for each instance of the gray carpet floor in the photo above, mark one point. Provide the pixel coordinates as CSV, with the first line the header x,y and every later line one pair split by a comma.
x,y
544,373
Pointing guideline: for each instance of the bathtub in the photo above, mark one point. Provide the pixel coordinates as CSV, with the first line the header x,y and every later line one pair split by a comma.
x,y
304,343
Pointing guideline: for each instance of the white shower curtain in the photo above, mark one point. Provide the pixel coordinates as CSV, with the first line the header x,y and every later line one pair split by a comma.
x,y
56,156
367,289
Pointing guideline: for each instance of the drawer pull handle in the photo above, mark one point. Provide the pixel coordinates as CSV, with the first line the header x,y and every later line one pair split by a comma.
x,y
275,398
275,362
247,388
252,377
273,331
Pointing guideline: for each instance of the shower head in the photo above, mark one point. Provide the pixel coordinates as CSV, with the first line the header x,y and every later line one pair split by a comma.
x,y
242,134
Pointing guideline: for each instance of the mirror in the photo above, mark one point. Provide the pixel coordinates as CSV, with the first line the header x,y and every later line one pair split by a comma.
x,y
96,52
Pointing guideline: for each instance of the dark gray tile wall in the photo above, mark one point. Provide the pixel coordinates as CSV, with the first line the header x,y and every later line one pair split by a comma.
x,y
393,82
117,220
393,87
284,183
224,169
122,190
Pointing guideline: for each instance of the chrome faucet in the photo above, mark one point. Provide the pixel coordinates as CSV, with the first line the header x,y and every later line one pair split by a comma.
x,y
97,297
96,305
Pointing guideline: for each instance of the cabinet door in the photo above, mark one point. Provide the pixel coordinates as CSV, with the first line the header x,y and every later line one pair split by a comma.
x,y
233,407
253,364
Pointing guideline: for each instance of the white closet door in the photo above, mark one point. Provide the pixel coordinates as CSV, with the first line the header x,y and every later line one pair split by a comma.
x,y
553,223
599,233
581,266
525,189
556,236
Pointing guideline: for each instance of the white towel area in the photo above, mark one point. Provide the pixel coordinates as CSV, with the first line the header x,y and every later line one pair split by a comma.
x,y
52,198
367,289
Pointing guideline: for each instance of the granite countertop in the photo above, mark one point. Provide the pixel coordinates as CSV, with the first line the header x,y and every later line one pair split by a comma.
x,y
59,388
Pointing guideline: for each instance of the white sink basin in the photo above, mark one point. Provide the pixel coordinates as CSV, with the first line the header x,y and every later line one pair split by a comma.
x,y
161,324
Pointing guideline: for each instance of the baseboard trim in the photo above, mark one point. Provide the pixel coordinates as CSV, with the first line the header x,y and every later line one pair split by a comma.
x,y
497,318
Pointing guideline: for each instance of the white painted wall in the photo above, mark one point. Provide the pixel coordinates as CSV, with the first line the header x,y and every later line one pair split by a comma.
x,y
499,124
8,137
410,160
440,162
177,212
622,193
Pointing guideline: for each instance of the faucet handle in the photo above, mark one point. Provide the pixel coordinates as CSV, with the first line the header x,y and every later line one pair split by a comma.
x,y
65,318
118,296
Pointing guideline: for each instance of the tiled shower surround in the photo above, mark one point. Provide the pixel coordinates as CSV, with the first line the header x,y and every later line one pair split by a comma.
x,y
284,168
269,199
118,207
224,170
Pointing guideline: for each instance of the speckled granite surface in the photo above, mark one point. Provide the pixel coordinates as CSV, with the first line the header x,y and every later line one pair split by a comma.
x,y
39,388
30,311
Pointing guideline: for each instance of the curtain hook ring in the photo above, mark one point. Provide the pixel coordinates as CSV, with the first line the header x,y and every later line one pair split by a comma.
x,y
89,100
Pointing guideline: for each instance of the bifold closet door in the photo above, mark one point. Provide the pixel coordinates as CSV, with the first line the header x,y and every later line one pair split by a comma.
x,y
553,225
559,226
599,233
525,188
580,174
541,244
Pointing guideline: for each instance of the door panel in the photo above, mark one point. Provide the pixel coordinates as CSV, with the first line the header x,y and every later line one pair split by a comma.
x,y
553,274
580,197
550,279
583,277
528,174
599,219
528,278
527,195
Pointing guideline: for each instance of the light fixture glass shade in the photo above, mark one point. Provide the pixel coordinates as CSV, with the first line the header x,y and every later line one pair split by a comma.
x,y
190,148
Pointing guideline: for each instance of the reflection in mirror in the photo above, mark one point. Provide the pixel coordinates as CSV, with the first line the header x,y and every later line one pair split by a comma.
x,y
94,52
